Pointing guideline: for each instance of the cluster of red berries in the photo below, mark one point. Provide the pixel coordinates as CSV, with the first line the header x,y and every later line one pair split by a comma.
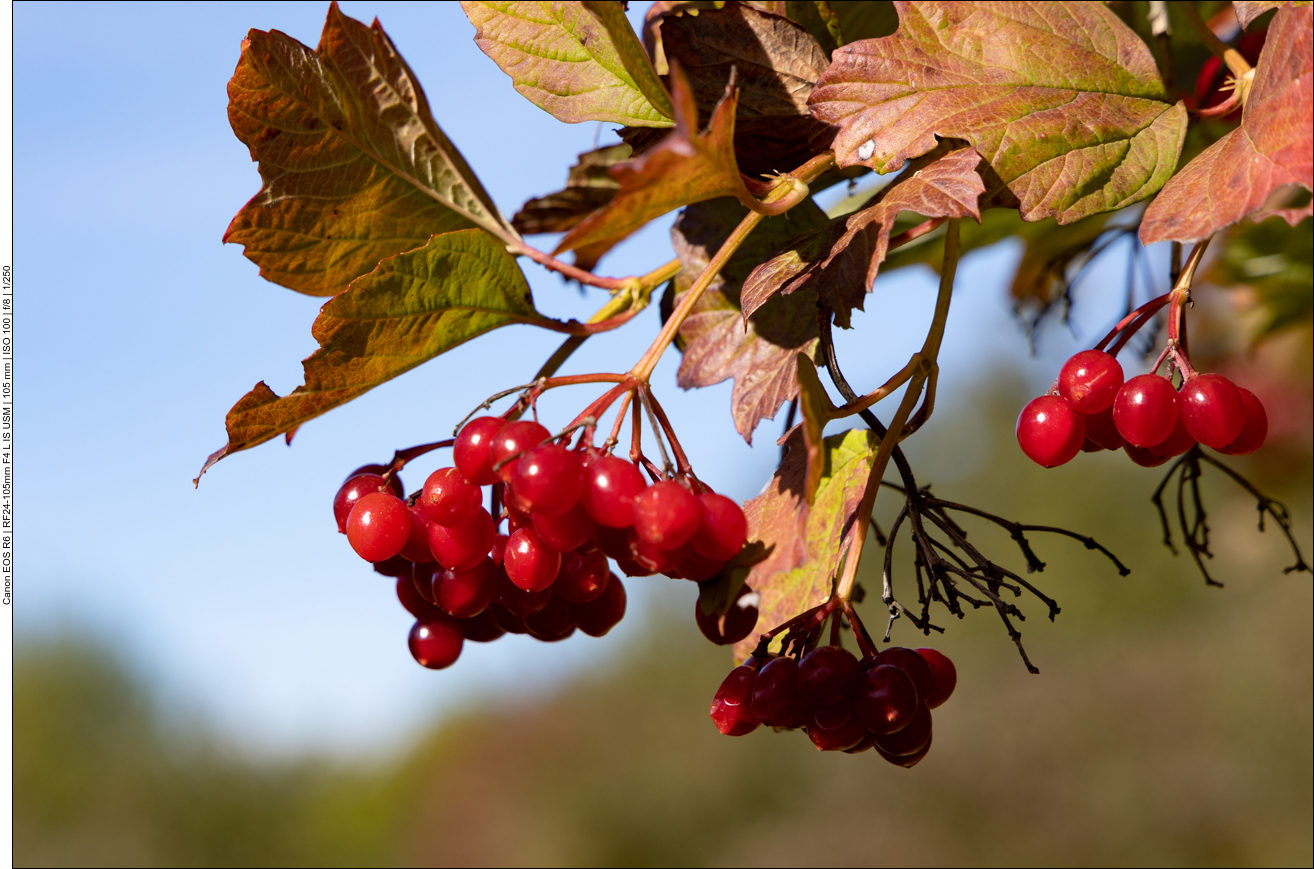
x,y
1091,408
566,510
883,702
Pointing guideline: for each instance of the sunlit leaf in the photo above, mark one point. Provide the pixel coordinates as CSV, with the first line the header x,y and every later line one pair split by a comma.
x,y
589,186
354,166
1272,147
576,61
1060,98
815,406
1248,10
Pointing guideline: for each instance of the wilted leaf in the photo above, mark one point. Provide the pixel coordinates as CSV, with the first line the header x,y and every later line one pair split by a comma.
x,y
840,262
816,407
806,542
410,309
576,61
1271,148
716,344
1060,98
588,187
354,166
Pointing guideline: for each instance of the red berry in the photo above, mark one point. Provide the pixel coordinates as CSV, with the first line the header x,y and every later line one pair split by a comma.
x,y
379,526
1101,429
868,743
610,486
497,549
583,577
512,441
835,727
694,567
552,623
564,531
1146,410
417,544
422,576
913,664
1090,381
411,600
1177,443
393,567
461,547
531,563
1144,457
1212,409
667,515
1255,430
600,615
517,601
505,621
480,628
470,453
630,567
944,673
1049,431
436,642
465,594
778,695
549,479
909,739
732,707
448,498
653,559
828,675
723,530
614,542
886,700
907,761
350,493
737,622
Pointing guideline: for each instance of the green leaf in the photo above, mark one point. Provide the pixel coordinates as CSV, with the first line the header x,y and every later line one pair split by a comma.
x,y
589,187
575,61
355,168
411,308
806,542
1061,99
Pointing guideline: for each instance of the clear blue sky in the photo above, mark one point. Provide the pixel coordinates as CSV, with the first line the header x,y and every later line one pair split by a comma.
x,y
137,330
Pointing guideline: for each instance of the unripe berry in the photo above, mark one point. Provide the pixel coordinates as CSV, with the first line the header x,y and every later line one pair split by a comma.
x,y
1050,432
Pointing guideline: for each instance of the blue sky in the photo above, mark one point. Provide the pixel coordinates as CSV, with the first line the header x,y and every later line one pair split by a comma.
x,y
138,329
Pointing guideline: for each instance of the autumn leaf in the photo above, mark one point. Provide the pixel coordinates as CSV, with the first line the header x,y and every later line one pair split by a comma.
x,y
576,61
816,407
411,308
716,342
1248,10
589,186
1061,99
1233,177
355,168
806,542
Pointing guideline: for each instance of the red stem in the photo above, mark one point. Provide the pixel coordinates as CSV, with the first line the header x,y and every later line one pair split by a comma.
x,y
1146,311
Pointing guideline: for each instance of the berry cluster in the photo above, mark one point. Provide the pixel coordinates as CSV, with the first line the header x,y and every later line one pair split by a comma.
x,y
1091,408
883,702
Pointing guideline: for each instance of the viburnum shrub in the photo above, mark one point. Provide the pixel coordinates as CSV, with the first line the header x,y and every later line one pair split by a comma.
x,y
1052,122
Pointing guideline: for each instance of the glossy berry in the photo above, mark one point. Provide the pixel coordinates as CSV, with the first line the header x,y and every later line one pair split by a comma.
x,y
911,738
470,453
350,493
610,486
564,531
461,547
835,727
654,559
529,562
1212,409
603,613
553,623
417,544
549,479
583,577
481,628
448,498
723,530
1049,431
436,642
410,599
732,707
1101,429
465,594
907,761
1177,443
511,442
778,695
505,620
735,624
1146,410
1143,457
667,515
828,675
945,674
379,526
1255,430
914,665
886,700
517,601
1090,381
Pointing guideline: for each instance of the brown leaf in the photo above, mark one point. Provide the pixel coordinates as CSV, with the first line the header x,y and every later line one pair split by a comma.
x,y
355,168
589,186
1272,148
1061,98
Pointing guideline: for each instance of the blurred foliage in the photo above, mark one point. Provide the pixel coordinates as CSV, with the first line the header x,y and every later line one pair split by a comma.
x,y
1276,261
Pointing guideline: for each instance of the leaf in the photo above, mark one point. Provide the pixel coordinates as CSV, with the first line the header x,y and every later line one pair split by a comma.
x,y
575,61
806,542
715,342
840,262
355,168
413,307
589,187
1277,263
1060,98
1248,10
816,407
1234,176
686,167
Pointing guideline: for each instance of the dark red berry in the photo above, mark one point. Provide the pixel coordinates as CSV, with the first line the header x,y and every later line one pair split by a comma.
x,y
1101,429
777,691
694,567
1177,443
422,577
470,453
868,743
511,442
610,486
1049,431
411,600
945,674
481,628
379,526
907,761
603,613
835,727
436,642
552,623
1143,457
913,664
1255,430
1090,381
652,558
1146,410
614,542
732,707
461,547
828,675
466,593
723,529
1212,409
448,498
735,624
910,739
505,621
531,563
667,515
350,493
584,577
417,544
886,700
393,567
630,567
549,479
564,531
517,601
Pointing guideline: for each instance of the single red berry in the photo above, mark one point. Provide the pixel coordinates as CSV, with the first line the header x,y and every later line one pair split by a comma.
x,y
907,761
417,544
1101,429
381,471
549,479
829,675
505,620
379,526
1143,457
470,453
422,576
695,567
868,743
564,531
913,664
1090,381
1177,443
461,547
531,563
497,549
886,700
517,601
778,695
667,515
393,567
481,628
511,442
1049,431
1255,430
1146,410
464,594
1212,409
723,530
654,559
448,498
909,739
436,642
1089,446
584,577
411,600
732,626
350,493
552,623
944,673
610,486
732,707
835,727
603,613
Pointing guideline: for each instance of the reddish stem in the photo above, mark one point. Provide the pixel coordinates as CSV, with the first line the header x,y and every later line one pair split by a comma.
x,y
1142,314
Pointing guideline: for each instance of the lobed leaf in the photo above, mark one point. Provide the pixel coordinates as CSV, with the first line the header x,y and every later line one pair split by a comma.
x,y
411,308
1272,148
1061,99
589,186
576,61
354,167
